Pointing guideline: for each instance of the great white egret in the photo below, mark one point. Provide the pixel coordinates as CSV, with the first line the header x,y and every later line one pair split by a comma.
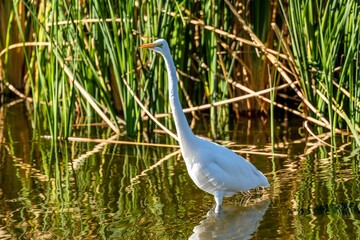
x,y
213,168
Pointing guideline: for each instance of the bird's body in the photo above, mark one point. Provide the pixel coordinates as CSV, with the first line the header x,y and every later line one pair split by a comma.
x,y
213,168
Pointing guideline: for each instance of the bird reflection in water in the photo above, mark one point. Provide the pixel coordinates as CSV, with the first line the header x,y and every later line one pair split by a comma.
x,y
233,222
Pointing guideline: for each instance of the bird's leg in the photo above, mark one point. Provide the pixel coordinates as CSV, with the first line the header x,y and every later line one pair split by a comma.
x,y
218,199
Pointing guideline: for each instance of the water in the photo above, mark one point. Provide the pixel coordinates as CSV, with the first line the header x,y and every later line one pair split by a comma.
x,y
75,190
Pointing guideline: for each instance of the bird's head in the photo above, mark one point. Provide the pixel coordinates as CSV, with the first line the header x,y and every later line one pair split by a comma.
x,y
159,46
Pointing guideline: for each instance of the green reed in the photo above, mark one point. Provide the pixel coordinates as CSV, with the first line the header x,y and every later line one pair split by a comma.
x,y
325,43
103,57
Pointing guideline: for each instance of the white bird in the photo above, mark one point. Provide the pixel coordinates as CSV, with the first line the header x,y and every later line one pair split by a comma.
x,y
213,168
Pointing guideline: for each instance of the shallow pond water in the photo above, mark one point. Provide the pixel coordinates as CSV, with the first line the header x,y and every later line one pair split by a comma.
x,y
82,190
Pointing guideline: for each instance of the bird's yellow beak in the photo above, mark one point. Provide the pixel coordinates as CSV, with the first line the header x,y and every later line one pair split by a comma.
x,y
148,45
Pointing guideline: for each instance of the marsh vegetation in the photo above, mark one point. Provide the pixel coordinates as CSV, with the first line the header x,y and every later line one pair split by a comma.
x,y
78,62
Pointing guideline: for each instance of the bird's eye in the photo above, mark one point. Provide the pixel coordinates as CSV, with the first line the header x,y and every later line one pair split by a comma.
x,y
160,45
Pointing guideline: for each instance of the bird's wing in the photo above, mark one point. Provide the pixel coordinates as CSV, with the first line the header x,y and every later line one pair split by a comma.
x,y
230,172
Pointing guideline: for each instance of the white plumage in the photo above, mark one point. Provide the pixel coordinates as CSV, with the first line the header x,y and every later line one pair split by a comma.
x,y
213,168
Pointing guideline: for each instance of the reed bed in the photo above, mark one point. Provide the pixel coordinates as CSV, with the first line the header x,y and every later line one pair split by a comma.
x,y
325,48
81,62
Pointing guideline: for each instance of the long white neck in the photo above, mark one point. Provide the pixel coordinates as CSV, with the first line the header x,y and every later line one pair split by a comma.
x,y
182,127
